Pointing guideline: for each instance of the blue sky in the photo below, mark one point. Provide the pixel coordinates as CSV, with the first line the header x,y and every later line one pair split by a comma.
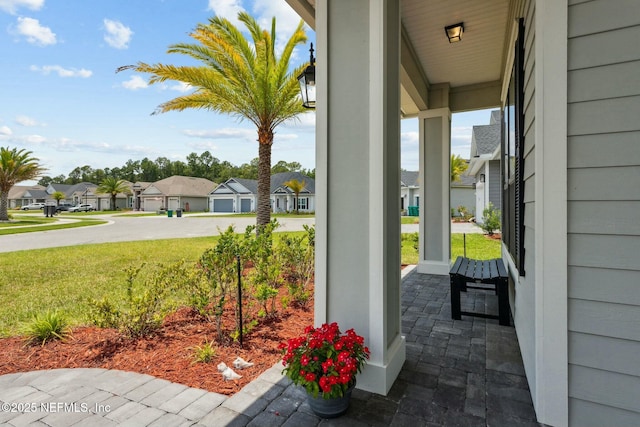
x,y
62,100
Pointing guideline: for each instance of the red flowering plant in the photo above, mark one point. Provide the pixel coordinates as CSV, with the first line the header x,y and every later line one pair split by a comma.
x,y
324,359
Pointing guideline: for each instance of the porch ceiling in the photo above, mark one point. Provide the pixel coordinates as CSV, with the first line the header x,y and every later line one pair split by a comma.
x,y
428,59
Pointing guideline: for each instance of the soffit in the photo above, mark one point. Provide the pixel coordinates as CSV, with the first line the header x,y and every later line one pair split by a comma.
x,y
478,58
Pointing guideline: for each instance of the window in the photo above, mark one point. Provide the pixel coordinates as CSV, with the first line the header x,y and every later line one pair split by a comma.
x,y
513,158
302,203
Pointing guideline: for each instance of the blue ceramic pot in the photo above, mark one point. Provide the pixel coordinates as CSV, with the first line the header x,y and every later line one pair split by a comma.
x,y
333,407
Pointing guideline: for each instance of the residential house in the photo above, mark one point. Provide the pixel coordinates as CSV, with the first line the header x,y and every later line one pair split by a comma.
x,y
20,195
241,195
409,190
75,194
177,192
485,164
462,192
565,75
234,195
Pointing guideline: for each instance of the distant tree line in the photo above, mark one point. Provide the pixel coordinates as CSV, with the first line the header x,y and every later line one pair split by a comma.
x,y
201,166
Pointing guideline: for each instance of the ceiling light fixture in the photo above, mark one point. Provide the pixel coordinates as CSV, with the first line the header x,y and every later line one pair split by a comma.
x,y
454,32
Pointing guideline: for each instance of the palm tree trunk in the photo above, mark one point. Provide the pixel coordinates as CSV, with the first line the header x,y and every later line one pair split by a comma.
x,y
264,180
4,204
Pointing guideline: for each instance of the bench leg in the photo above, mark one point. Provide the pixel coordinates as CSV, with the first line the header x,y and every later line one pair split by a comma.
x,y
455,298
503,302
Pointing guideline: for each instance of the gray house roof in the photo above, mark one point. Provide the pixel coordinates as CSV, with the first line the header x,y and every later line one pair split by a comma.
x,y
237,186
277,182
36,194
409,178
178,185
485,139
464,181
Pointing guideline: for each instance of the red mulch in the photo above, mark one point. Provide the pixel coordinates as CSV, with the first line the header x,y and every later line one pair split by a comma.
x,y
167,353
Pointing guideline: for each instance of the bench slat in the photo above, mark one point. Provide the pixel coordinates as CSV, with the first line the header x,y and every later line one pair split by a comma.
x,y
456,266
494,269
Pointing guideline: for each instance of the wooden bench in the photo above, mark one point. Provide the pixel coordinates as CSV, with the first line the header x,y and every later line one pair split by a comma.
x,y
487,272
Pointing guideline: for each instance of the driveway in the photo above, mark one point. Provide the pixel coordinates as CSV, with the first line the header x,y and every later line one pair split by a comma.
x,y
123,228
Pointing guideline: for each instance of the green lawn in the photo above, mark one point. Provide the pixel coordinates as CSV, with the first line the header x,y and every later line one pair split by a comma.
x,y
478,246
65,278
410,220
50,224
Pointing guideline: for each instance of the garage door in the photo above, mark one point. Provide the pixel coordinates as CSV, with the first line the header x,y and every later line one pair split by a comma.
x,y
150,205
223,205
245,205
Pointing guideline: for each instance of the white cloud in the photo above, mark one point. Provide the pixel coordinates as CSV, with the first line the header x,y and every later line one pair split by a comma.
x,y
225,133
286,18
34,32
135,83
181,87
203,146
26,121
11,6
117,34
5,130
62,72
410,138
302,122
227,9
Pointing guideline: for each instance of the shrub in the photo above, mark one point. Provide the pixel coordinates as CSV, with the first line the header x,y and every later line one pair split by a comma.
x,y
219,267
298,260
146,305
204,353
49,326
490,219
414,238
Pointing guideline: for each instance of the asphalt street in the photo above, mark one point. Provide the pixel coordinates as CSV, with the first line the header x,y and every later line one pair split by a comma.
x,y
123,228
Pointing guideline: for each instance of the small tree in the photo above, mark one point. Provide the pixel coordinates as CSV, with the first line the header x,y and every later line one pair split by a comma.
x,y
57,196
15,166
113,187
490,219
458,167
297,187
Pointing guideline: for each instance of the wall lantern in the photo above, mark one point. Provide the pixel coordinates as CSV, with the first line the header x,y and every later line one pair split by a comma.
x,y
482,177
307,80
454,32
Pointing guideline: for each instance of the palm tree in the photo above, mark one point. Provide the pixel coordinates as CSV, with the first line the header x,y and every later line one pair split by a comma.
x,y
297,187
458,166
15,166
57,196
113,186
236,78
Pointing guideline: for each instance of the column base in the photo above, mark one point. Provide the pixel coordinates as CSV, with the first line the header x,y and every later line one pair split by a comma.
x,y
377,378
434,267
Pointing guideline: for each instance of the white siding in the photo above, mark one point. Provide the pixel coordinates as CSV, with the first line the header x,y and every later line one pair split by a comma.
x,y
603,206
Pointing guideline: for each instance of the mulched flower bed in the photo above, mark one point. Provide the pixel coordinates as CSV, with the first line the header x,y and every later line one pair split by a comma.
x,y
168,352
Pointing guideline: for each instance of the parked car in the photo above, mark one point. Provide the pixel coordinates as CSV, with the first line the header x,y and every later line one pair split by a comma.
x,y
32,206
63,207
84,207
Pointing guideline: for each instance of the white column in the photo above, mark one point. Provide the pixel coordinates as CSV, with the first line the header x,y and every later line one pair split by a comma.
x,y
551,398
357,281
435,214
